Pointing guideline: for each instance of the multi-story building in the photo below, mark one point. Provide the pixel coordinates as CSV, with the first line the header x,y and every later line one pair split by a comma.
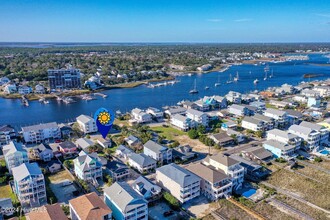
x,y
24,90
89,206
181,183
140,116
87,167
268,121
10,88
142,162
311,137
7,133
238,110
41,132
280,117
155,112
149,190
324,132
15,155
42,152
280,149
47,212
284,137
29,185
215,184
253,124
231,167
86,124
234,97
64,79
158,152
181,122
125,202
198,117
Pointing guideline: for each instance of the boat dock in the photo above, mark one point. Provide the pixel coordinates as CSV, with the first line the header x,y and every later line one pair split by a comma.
x,y
25,102
101,94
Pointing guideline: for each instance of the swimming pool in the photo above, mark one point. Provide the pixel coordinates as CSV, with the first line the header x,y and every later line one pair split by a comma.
x,y
249,193
324,152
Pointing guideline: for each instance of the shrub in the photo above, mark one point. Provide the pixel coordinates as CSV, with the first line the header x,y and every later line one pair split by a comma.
x,y
171,200
318,159
193,134
66,209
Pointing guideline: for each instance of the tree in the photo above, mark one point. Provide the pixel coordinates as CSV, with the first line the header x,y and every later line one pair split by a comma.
x,y
161,138
193,134
171,200
174,144
259,134
66,209
201,129
68,164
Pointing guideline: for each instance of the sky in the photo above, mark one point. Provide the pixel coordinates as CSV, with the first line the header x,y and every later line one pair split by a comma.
x,y
191,21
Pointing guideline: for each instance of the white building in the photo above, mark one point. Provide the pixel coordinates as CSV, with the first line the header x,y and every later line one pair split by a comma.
x,y
284,137
41,132
234,97
155,112
181,183
279,116
24,90
142,162
10,88
198,117
158,152
280,149
140,116
39,89
311,137
87,167
181,122
86,124
14,155
238,110
253,124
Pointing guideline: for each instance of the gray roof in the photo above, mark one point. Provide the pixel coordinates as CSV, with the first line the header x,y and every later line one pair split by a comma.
x,y
178,174
12,147
24,170
42,147
5,203
283,134
155,147
275,112
179,117
142,159
176,110
222,137
124,149
124,196
6,128
84,161
84,118
260,152
207,173
311,125
300,129
195,112
239,107
294,113
252,120
50,125
279,145
84,143
263,118
223,159
67,144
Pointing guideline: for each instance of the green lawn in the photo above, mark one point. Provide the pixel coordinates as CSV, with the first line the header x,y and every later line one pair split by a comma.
x,y
270,106
168,132
5,191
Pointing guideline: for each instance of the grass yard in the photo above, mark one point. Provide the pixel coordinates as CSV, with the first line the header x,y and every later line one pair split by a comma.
x,y
231,211
168,132
308,189
62,175
270,106
314,173
5,191
314,213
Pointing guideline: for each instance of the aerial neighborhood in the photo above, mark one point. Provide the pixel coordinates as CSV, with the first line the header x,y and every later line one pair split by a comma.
x,y
177,157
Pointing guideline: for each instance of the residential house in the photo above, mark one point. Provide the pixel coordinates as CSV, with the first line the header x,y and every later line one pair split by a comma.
x,y
155,112
103,142
215,184
253,124
7,133
39,89
125,202
310,93
142,162
54,166
324,131
66,130
324,91
4,80
147,189
6,207
198,117
181,183
87,167
279,104
269,122
284,137
231,167
300,98
239,137
183,153
294,117
84,143
202,105
188,105
86,124
280,149
29,185
259,105
15,155
314,102
123,151
140,116
310,136
24,90
10,88
181,122
67,148
41,132
257,154
279,116
234,97
221,102
117,170
229,124
173,110
222,139
89,206
238,110
158,152
132,141
42,152
47,212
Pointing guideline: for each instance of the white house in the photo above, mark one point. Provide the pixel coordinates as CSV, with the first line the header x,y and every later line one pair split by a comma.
x,y
280,149
279,116
253,124
23,90
142,162
234,97
86,124
87,167
140,116
198,117
43,152
314,102
284,137
41,132
155,112
311,137
39,89
158,152
238,110
10,88
15,155
181,122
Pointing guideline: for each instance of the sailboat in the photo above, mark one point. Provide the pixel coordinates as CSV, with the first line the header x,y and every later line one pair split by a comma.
x,y
265,75
256,81
236,78
271,75
230,80
217,83
207,88
194,90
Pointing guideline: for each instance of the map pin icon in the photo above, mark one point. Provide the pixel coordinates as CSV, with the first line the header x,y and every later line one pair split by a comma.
x,y
104,119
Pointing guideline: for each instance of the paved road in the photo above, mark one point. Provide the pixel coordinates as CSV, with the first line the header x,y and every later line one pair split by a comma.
x,y
314,166
294,196
239,148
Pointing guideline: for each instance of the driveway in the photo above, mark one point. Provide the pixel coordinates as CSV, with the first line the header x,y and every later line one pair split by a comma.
x,y
156,212
63,193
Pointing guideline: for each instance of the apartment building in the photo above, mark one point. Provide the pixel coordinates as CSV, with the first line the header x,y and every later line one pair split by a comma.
x,y
231,167
14,155
181,183
280,117
125,202
215,184
181,122
324,131
158,152
64,78
86,124
284,137
310,136
198,117
41,132
29,185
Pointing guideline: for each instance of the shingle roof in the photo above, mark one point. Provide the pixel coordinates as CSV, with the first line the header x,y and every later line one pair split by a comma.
x,y
84,143
155,147
252,120
222,137
40,127
12,147
67,144
42,147
239,107
90,206
311,125
279,145
260,152
26,169
84,118
275,112
142,159
263,118
195,112
207,173
283,134
48,212
178,174
124,196
6,128
294,113
84,161
223,159
179,117
300,129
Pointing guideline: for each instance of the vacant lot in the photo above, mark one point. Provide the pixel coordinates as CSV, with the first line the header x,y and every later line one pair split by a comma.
x,y
231,211
314,213
5,191
270,212
62,175
308,189
325,164
169,132
313,173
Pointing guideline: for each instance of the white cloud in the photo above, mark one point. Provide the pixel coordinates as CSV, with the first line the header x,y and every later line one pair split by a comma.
x,y
243,20
214,20
323,15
